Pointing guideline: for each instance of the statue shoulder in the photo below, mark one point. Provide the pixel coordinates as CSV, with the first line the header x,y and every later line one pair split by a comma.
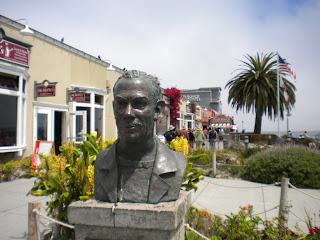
x,y
105,158
177,157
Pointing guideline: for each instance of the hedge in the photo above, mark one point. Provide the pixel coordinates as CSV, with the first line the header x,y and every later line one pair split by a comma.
x,y
301,165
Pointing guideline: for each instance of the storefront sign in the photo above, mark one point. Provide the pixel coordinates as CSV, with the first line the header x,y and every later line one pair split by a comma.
x,y
191,98
14,53
45,89
77,96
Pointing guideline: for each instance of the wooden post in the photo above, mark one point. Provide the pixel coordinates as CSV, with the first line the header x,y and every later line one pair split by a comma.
x,y
214,159
33,226
284,203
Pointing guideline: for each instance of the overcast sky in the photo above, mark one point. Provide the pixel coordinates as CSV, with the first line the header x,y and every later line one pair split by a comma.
x,y
191,44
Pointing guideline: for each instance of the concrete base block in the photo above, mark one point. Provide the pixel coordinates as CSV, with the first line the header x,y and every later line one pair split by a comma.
x,y
95,220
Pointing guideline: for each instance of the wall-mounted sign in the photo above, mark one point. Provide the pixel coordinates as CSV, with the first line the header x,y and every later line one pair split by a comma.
x,y
75,96
45,89
15,53
191,98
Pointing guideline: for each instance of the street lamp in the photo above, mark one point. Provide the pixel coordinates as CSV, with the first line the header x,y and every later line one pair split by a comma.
x,y
288,115
26,31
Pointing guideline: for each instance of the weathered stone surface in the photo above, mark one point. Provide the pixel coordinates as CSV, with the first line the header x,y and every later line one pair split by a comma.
x,y
99,220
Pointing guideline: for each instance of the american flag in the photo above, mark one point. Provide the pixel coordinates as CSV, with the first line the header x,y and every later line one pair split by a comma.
x,y
284,67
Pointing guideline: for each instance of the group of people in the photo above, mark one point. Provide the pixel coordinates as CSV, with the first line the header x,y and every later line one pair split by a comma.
x,y
197,137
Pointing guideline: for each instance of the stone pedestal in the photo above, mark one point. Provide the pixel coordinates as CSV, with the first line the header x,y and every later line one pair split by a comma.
x,y
95,220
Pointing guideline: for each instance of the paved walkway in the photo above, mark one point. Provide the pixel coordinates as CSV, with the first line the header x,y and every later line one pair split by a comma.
x,y
219,196
224,196
14,208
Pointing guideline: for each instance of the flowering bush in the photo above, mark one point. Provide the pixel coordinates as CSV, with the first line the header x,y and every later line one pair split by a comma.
x,y
180,144
68,177
192,175
175,99
241,226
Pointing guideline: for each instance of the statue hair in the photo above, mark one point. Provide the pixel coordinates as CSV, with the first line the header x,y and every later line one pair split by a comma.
x,y
155,85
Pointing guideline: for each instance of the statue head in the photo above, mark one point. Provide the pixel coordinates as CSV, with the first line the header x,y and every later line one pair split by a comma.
x,y
136,105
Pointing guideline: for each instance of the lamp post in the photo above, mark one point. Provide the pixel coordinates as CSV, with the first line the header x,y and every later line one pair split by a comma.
x,y
26,31
288,115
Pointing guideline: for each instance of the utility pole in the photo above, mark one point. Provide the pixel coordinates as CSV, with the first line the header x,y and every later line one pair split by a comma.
x,y
288,115
214,159
284,203
278,94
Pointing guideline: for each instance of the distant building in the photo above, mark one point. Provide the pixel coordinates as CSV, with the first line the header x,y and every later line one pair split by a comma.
x,y
223,121
50,91
205,97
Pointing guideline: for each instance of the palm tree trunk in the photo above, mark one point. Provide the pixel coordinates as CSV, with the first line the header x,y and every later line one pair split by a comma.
x,y
258,121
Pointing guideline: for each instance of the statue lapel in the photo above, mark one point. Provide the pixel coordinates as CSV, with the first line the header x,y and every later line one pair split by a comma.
x,y
158,186
109,172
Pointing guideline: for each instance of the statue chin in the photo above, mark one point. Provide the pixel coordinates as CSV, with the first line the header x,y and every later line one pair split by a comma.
x,y
132,137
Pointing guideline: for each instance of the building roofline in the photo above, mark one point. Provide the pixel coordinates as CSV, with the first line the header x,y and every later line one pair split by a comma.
x,y
58,43
201,89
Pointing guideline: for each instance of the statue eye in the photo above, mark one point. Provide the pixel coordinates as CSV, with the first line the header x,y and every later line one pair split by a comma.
x,y
121,103
139,103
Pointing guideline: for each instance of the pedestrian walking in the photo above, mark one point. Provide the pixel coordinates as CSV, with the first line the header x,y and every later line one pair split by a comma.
x,y
170,134
199,138
212,138
191,138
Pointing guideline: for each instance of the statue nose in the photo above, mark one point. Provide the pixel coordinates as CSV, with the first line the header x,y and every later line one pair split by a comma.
x,y
128,110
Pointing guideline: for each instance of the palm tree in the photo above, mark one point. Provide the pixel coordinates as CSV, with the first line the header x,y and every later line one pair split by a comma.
x,y
254,88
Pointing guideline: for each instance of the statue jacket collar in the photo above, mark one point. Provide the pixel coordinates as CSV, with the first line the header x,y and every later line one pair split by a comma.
x,y
107,166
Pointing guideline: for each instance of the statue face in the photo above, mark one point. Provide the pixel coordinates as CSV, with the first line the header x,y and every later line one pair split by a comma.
x,y
134,109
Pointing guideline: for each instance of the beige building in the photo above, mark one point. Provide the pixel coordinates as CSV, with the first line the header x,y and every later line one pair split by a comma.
x,y
50,91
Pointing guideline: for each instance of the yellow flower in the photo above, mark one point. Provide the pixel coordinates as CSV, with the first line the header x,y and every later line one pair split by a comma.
x,y
90,186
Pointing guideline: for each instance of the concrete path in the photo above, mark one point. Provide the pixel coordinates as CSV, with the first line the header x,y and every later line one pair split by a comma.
x,y
14,208
224,196
218,196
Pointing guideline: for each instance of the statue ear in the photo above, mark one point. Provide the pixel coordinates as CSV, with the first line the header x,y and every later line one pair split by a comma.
x,y
159,109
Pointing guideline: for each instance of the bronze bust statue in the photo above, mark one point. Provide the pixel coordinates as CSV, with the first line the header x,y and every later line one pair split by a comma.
x,y
138,167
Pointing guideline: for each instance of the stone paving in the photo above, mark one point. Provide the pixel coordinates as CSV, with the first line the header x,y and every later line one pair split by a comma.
x,y
14,208
218,196
225,196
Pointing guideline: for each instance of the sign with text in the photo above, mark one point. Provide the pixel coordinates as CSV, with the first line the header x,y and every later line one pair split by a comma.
x,y
15,53
45,89
77,96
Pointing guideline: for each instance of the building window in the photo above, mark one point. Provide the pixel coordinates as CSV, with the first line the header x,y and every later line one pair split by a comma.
x,y
8,124
89,116
42,128
99,121
98,99
9,82
12,108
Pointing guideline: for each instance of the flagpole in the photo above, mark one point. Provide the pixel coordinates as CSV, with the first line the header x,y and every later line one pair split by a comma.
x,y
278,94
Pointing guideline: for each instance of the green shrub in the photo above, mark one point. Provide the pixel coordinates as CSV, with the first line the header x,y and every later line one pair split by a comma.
x,y
230,170
200,159
229,156
250,151
240,226
8,169
300,165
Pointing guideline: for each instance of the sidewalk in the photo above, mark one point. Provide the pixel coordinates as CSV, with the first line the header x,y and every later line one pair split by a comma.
x,y
14,208
225,196
218,196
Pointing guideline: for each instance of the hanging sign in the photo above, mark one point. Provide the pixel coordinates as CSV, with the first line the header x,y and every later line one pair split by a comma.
x,y
76,95
13,52
45,89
